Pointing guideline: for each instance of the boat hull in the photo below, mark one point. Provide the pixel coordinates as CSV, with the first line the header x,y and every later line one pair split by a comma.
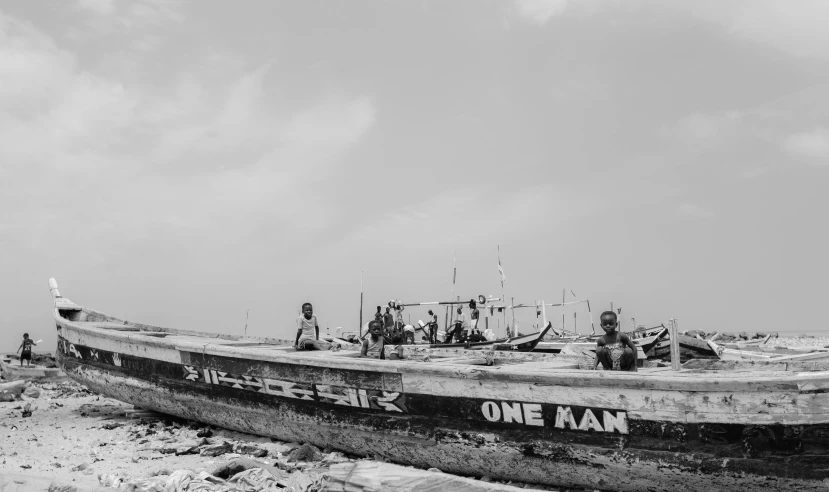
x,y
466,421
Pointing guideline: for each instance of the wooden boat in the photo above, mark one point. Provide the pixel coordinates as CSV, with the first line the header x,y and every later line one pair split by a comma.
x,y
523,416
645,343
11,370
689,346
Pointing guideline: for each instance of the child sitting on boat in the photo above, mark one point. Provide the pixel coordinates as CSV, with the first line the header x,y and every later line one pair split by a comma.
x,y
27,350
374,344
307,329
615,351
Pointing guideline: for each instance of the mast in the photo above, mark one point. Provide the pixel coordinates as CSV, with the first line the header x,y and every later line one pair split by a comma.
x,y
360,326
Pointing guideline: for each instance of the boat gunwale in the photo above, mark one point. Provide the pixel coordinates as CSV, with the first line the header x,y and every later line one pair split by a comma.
x,y
694,382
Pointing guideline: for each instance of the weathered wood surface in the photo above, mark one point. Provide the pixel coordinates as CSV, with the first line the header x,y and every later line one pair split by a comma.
x,y
370,476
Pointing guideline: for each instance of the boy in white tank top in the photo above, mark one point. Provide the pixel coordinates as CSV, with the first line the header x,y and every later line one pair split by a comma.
x,y
373,346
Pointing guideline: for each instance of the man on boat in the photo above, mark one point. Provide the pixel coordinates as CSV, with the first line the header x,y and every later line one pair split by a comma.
x,y
615,351
433,327
457,329
473,324
388,323
27,350
307,329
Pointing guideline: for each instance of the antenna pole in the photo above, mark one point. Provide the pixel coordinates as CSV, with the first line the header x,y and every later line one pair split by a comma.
x,y
360,326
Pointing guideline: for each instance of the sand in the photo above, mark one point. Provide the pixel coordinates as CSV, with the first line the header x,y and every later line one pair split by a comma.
x,y
75,437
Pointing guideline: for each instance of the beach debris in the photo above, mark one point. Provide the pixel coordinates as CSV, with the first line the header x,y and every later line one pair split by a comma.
x,y
217,449
189,447
11,391
32,392
334,457
251,449
27,410
369,475
251,479
306,452
81,467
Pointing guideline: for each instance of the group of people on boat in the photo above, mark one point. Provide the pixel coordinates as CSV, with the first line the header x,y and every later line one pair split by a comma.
x,y
615,351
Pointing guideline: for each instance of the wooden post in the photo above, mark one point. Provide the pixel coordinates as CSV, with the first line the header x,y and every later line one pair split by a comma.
x,y
544,316
672,329
563,294
590,313
512,305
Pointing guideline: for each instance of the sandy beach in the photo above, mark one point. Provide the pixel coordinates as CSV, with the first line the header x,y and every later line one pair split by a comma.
x,y
76,438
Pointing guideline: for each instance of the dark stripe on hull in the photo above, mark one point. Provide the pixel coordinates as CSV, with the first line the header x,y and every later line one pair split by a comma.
x,y
453,435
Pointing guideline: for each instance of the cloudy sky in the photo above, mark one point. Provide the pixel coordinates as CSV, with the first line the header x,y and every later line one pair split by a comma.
x,y
178,163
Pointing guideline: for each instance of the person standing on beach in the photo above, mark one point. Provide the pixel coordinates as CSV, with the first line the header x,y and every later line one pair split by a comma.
x,y
27,350
307,329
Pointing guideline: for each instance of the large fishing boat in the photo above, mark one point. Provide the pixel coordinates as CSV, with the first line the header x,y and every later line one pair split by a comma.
x,y
530,417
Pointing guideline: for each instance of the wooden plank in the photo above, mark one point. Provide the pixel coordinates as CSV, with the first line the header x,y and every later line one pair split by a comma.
x,y
372,476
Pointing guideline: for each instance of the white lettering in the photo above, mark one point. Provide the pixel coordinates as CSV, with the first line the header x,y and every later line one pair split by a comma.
x,y
491,411
286,388
335,394
589,421
387,401
619,422
532,414
512,413
564,416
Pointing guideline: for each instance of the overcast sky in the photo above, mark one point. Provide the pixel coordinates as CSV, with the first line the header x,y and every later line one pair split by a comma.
x,y
177,163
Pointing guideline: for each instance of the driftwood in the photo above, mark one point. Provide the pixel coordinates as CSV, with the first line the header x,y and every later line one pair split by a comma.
x,y
9,391
372,476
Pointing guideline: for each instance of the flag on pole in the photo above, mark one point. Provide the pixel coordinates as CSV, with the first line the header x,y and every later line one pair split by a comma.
x,y
500,268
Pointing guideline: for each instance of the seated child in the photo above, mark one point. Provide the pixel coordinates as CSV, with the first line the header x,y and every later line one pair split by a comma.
x,y
614,351
374,344
307,329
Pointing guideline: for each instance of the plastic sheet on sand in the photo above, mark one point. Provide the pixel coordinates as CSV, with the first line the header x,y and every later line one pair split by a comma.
x,y
251,480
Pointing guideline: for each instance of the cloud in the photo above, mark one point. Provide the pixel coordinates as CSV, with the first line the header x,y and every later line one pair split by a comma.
x,y
100,7
142,164
813,144
711,127
539,12
140,23
694,211
798,28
